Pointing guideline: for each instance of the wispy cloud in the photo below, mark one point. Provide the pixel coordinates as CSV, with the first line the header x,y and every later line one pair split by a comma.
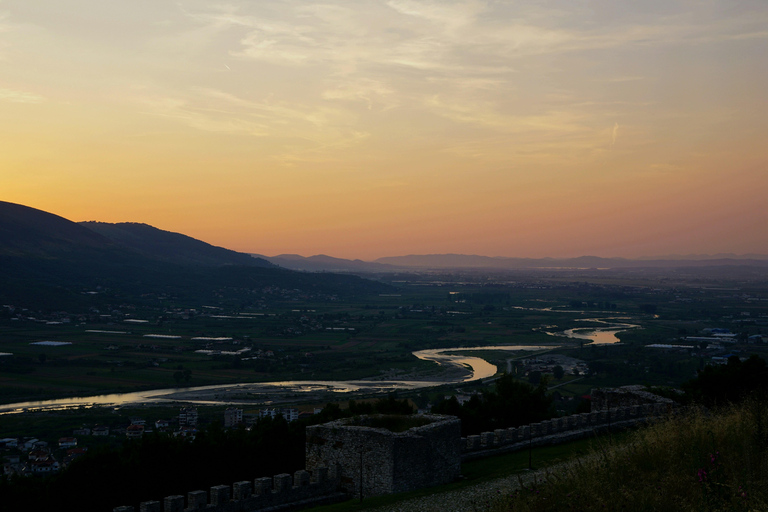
x,y
371,92
296,130
447,16
366,40
480,64
20,96
5,29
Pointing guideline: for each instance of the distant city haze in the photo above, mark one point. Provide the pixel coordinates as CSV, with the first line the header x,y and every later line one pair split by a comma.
x,y
365,129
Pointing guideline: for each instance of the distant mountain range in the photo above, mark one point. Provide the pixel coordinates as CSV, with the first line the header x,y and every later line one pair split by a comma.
x,y
323,263
47,261
463,261
719,256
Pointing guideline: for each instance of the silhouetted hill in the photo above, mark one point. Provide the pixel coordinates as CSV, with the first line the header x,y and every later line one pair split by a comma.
x,y
48,262
26,231
169,246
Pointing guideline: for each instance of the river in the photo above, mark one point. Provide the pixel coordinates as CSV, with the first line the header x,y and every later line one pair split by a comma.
x,y
265,393
599,335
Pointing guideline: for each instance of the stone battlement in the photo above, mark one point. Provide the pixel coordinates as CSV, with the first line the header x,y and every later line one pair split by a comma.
x,y
369,454
558,430
276,493
625,396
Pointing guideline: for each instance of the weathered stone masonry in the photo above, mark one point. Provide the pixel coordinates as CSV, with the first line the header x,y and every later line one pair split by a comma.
x,y
281,492
422,456
558,430
384,461
604,399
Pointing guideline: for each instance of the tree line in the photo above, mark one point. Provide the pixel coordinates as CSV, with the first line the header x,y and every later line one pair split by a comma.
x,y
160,464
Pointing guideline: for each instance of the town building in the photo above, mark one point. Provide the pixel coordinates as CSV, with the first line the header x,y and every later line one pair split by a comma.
x,y
67,442
134,431
188,417
100,430
232,417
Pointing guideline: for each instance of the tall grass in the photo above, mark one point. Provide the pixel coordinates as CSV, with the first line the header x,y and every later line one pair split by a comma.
x,y
696,461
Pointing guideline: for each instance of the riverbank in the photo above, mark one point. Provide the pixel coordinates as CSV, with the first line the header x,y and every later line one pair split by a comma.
x,y
461,369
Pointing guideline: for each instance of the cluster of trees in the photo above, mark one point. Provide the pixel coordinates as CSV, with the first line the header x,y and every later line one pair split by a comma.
x,y
389,405
535,376
729,383
185,375
510,403
160,465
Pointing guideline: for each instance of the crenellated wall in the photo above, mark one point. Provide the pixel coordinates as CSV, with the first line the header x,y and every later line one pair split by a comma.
x,y
625,396
421,456
557,430
277,493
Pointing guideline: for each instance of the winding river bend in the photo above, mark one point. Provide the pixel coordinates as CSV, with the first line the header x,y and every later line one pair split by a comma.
x,y
600,335
264,393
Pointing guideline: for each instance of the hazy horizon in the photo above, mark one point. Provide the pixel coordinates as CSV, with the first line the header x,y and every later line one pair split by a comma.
x,y
369,129
654,257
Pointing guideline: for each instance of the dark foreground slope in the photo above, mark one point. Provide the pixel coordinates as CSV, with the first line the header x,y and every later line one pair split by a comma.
x,y
48,262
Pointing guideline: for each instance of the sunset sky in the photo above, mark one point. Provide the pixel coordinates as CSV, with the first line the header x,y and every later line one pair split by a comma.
x,y
362,129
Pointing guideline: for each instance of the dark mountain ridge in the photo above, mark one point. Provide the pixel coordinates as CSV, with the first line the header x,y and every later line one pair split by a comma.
x,y
25,231
49,262
168,246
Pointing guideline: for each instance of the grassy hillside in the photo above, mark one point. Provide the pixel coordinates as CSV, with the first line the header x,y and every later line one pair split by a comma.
x,y
693,462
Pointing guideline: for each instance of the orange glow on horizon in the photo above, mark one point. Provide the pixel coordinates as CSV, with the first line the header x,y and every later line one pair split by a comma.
x,y
362,130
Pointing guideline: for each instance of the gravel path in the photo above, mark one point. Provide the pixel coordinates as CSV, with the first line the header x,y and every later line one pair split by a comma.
x,y
473,498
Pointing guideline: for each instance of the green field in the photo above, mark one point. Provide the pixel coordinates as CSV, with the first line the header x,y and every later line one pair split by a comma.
x,y
292,337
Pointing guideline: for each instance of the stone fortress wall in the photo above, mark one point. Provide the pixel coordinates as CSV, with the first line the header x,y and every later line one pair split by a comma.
x,y
377,461
604,399
558,430
281,492
424,455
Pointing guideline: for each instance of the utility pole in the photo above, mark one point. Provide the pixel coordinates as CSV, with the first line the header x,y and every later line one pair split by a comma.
x,y
608,406
361,474
530,450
